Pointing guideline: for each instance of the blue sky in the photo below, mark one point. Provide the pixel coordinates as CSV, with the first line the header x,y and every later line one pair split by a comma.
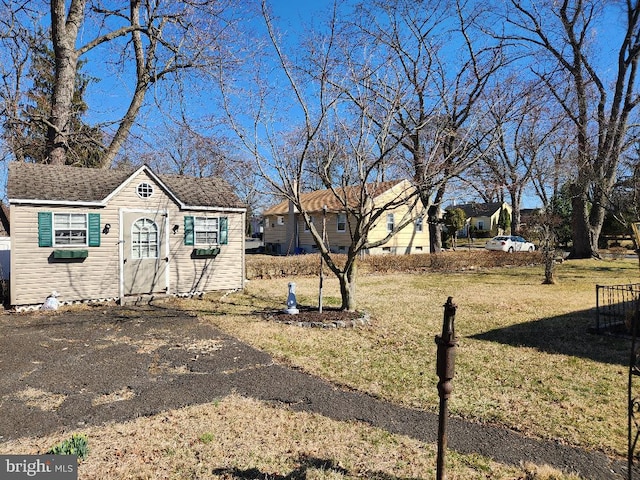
x,y
108,98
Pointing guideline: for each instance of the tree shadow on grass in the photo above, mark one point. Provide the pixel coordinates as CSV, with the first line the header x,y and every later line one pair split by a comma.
x,y
566,335
306,463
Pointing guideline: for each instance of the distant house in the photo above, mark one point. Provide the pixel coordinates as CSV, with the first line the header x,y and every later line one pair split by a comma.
x,y
286,233
92,234
482,217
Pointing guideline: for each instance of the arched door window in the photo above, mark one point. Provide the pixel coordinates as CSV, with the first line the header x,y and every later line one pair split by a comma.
x,y
144,239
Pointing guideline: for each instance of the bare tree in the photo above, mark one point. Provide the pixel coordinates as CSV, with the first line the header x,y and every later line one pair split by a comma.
x,y
343,148
431,93
153,41
522,128
598,106
18,34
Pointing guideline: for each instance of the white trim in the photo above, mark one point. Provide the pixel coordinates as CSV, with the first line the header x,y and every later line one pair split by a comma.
x,y
105,201
214,209
67,203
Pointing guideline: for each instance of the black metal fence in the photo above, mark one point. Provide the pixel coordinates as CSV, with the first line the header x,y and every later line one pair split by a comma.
x,y
615,307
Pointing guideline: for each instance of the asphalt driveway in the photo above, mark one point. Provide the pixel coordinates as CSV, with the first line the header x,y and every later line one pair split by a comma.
x,y
63,370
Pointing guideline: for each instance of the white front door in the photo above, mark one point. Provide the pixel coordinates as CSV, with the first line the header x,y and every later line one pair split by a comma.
x,y
144,253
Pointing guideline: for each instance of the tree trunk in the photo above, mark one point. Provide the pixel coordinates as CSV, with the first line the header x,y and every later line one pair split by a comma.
x,y
64,31
435,230
435,227
584,233
348,287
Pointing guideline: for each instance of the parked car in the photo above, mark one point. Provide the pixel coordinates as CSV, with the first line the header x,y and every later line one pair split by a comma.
x,y
510,243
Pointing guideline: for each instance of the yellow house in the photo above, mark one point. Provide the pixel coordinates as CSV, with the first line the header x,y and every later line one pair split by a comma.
x,y
286,233
483,217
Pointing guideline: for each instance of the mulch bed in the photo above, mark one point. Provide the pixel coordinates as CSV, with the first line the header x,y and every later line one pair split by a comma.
x,y
311,317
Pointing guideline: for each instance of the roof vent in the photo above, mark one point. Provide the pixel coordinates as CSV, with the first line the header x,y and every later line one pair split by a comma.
x,y
144,190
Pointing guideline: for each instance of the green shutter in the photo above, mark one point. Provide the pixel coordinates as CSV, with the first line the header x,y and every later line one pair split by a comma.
x,y
94,230
45,234
188,231
224,230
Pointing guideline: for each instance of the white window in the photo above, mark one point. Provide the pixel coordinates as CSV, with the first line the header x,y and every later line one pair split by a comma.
x,y
306,227
70,229
419,224
144,239
144,190
342,222
280,220
206,230
390,222
480,225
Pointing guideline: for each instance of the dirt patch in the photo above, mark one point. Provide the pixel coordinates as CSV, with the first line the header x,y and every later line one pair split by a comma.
x,y
312,317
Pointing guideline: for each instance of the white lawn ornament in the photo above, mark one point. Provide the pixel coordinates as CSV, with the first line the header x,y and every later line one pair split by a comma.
x,y
51,303
291,300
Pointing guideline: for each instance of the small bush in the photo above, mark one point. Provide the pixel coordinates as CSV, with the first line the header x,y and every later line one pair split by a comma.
x,y
207,437
76,445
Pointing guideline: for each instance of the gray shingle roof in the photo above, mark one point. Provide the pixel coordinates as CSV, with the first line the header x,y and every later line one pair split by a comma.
x,y
29,181
479,209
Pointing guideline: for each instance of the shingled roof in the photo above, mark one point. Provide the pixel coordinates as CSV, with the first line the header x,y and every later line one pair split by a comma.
x,y
314,201
62,183
479,209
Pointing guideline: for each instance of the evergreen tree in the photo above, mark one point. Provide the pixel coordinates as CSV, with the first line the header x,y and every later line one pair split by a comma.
x,y
454,219
504,222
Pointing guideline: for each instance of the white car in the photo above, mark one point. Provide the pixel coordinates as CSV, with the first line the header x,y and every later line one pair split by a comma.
x,y
510,243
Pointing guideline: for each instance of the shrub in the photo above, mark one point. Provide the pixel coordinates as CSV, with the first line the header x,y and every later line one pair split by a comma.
x,y
76,445
265,266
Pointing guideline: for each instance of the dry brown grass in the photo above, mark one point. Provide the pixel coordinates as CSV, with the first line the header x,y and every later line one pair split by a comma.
x,y
246,439
525,359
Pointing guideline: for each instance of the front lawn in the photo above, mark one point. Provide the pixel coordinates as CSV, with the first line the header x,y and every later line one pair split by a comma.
x,y
525,359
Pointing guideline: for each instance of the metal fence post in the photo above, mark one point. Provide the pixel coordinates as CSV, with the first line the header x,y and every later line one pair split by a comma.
x,y
445,365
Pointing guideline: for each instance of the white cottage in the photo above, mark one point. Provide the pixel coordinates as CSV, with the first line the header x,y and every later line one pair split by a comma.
x,y
92,234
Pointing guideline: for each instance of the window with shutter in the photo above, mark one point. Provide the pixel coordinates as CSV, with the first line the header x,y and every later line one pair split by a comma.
x,y
45,232
224,230
188,230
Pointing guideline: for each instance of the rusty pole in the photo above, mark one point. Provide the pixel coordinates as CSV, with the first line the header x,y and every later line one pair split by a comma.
x,y
445,365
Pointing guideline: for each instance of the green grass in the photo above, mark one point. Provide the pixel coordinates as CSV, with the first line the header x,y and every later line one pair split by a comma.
x,y
524,359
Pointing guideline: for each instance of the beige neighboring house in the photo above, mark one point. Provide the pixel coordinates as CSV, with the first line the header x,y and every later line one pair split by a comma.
x,y
94,234
286,233
482,216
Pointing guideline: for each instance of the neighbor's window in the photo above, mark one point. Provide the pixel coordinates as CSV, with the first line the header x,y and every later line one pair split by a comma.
x,y
280,220
419,224
480,225
390,222
206,230
342,222
144,239
70,228
306,227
